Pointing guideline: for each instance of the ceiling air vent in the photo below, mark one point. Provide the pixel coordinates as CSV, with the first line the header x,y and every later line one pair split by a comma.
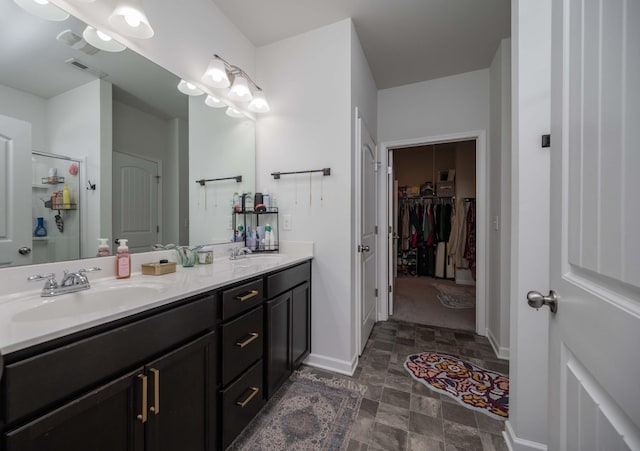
x,y
76,42
84,68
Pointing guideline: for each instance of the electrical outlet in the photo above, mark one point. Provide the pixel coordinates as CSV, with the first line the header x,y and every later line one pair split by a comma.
x,y
496,223
286,222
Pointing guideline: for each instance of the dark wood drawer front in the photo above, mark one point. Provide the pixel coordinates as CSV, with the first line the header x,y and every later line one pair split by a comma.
x,y
241,298
241,401
40,381
242,344
287,279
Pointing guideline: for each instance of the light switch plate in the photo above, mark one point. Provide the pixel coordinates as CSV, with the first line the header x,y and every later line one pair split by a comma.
x,y
286,222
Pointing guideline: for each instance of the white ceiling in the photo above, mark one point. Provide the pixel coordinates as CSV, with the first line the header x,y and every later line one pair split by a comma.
x,y
405,41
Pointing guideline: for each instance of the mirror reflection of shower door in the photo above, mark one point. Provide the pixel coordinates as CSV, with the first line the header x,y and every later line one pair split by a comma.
x,y
62,240
135,201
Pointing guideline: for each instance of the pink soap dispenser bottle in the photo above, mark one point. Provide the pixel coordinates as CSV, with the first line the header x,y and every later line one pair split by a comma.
x,y
123,260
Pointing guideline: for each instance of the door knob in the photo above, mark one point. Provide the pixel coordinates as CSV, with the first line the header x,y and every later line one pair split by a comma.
x,y
24,250
536,300
363,248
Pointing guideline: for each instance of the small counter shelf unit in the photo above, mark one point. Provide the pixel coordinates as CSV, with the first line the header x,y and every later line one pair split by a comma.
x,y
254,219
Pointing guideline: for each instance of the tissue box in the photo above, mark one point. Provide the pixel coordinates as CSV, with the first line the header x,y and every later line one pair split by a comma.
x,y
157,269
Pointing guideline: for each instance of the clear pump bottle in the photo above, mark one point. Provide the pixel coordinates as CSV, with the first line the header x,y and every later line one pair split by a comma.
x,y
123,260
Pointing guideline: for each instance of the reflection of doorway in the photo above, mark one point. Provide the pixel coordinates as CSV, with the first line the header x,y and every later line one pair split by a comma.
x,y
136,184
435,258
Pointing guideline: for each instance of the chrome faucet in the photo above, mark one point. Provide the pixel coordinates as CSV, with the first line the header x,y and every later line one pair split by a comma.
x,y
71,282
236,252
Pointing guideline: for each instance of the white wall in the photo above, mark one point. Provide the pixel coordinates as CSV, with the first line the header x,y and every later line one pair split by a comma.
x,y
526,428
500,199
436,107
309,80
76,127
26,107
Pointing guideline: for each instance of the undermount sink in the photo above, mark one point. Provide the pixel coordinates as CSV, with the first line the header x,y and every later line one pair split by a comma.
x,y
95,299
253,259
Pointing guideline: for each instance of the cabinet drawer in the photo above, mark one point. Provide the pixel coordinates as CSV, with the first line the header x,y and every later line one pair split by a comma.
x,y
40,381
242,344
241,298
241,401
287,279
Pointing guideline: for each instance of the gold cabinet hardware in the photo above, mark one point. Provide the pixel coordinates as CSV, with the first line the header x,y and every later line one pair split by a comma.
x,y
246,296
252,336
143,416
254,391
155,408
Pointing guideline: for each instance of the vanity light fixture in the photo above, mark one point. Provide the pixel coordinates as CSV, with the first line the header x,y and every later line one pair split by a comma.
x,y
43,9
189,88
101,40
219,73
129,19
232,112
214,102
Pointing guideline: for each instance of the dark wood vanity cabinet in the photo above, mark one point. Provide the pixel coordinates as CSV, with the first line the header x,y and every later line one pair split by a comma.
x,y
155,390
287,323
187,376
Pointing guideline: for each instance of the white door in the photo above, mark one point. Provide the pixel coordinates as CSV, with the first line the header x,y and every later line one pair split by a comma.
x,y
392,236
368,235
15,192
594,369
135,201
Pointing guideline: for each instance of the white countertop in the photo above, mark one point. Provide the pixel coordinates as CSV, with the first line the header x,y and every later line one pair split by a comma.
x,y
27,319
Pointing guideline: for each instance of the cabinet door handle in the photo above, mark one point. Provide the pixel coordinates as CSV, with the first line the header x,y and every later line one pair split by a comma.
x,y
254,391
143,415
246,296
252,336
155,408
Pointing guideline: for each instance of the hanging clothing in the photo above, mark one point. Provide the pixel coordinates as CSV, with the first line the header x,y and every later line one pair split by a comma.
x,y
470,246
457,240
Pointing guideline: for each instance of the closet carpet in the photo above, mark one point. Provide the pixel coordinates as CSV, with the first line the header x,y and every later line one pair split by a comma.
x,y
416,301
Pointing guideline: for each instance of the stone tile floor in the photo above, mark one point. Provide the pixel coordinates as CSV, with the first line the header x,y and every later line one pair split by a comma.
x,y
399,413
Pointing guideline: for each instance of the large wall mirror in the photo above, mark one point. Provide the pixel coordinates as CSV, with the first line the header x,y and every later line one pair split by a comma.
x,y
116,149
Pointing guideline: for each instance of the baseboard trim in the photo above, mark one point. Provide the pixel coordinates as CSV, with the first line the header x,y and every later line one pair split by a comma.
x,y
331,364
518,444
502,352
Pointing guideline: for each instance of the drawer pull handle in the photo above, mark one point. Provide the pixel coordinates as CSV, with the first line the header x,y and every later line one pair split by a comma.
x,y
246,296
254,391
143,416
155,408
252,336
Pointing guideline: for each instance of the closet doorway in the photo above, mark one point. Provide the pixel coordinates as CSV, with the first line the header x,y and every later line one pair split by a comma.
x,y
434,260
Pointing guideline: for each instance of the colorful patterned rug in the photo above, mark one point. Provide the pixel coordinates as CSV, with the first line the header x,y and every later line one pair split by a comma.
x,y
473,387
457,301
307,412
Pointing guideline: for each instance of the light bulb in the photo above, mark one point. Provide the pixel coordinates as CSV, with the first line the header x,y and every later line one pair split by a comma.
x,y
232,112
259,103
41,2
240,89
104,36
129,19
214,102
42,9
189,89
216,74
132,19
101,40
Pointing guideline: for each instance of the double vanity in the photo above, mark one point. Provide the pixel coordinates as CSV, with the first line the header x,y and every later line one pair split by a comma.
x,y
182,361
